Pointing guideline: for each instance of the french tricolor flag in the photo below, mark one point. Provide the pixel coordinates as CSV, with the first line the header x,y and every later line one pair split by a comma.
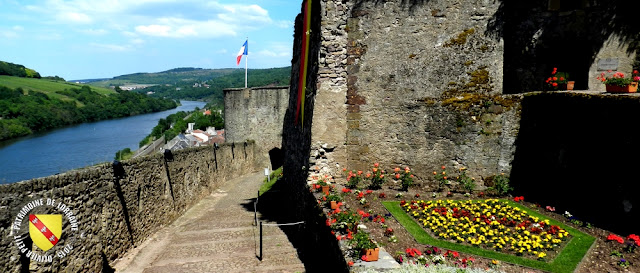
x,y
244,50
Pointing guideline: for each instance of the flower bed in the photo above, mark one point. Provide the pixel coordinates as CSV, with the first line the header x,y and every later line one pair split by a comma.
x,y
569,254
489,224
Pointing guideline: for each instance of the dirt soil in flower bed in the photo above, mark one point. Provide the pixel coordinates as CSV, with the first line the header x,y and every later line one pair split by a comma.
x,y
598,259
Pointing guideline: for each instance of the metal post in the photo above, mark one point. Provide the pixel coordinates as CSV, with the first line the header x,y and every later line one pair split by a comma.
x,y
260,240
255,209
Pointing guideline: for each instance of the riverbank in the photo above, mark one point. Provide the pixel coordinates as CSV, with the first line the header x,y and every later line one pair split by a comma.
x,y
77,146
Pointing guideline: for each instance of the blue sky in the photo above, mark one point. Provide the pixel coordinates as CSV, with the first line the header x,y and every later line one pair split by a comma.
x,y
83,39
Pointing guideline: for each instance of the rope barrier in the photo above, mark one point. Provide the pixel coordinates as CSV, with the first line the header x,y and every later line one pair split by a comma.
x,y
286,224
255,213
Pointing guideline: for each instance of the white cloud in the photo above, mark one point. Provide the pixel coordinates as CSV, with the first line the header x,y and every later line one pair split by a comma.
x,y
7,34
137,41
49,36
284,24
74,17
95,32
154,30
18,28
181,28
158,18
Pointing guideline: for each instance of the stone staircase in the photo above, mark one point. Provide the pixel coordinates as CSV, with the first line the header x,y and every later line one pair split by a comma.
x,y
216,235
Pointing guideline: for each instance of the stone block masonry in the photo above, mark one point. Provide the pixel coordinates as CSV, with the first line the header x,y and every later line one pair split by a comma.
x,y
256,114
116,206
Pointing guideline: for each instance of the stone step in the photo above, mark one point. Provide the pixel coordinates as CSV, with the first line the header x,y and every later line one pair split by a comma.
x,y
274,260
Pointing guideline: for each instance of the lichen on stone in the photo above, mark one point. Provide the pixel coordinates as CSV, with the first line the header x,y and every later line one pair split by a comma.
x,y
461,39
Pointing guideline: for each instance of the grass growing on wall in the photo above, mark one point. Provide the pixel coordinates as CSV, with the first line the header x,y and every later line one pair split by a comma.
x,y
273,178
566,261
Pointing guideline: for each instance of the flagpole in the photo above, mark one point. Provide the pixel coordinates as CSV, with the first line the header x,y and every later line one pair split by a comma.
x,y
246,59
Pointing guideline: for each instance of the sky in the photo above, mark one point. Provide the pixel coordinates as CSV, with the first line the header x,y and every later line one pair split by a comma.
x,y
87,39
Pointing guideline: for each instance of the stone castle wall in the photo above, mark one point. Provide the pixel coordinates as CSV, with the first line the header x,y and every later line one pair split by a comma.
x,y
383,70
424,84
117,208
256,114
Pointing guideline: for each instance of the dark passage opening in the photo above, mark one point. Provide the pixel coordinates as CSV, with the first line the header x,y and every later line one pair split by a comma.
x,y
580,154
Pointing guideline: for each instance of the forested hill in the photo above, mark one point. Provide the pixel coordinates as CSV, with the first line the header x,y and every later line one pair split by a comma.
x,y
199,84
17,70
25,111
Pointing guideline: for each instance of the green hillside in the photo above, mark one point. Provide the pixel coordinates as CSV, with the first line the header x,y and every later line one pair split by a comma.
x,y
199,84
49,87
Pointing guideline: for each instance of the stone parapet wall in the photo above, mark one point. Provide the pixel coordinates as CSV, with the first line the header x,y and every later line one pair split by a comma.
x,y
117,208
256,114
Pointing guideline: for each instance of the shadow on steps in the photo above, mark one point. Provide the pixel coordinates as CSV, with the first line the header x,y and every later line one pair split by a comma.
x,y
317,248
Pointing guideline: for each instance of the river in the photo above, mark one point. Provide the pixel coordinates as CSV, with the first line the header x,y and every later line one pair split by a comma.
x,y
77,146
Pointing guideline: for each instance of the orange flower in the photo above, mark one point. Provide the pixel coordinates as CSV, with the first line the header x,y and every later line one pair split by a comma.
x,y
434,173
376,164
397,176
359,172
396,169
375,170
443,167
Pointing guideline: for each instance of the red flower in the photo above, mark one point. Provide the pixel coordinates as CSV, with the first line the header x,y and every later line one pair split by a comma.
x,y
376,164
397,176
443,167
350,263
518,198
417,195
345,190
554,84
364,258
613,237
369,191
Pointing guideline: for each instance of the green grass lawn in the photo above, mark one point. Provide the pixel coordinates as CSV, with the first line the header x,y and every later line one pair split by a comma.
x,y
48,87
268,183
566,261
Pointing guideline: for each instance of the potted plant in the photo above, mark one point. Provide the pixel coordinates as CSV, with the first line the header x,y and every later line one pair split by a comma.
x,y
559,80
333,199
345,221
369,248
324,185
617,83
